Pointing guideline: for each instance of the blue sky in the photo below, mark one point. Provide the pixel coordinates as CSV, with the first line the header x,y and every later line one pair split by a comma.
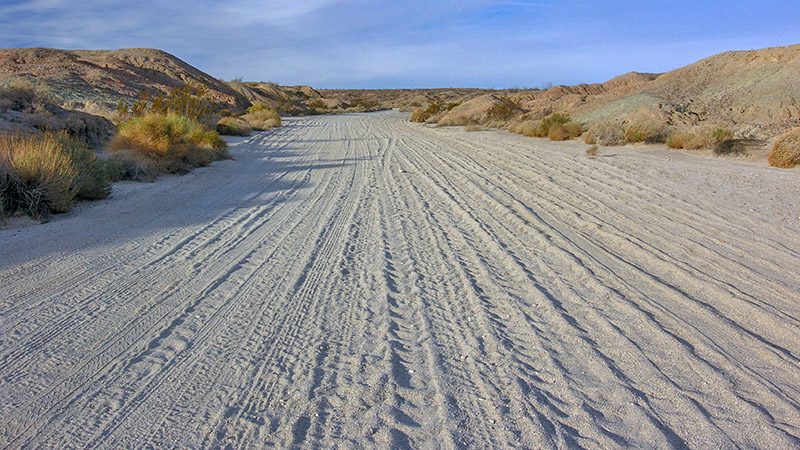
x,y
410,43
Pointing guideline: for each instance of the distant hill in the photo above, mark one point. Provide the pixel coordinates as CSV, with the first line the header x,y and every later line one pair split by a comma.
x,y
95,81
757,90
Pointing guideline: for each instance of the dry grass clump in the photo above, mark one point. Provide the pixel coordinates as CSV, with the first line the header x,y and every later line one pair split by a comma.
x,y
697,138
645,129
557,132
44,174
529,128
786,150
605,133
233,126
168,143
556,126
262,117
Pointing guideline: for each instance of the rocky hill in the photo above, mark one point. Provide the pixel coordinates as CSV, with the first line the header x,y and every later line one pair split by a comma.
x,y
94,81
757,90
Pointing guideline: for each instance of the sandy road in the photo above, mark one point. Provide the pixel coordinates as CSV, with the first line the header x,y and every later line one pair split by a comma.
x,y
361,281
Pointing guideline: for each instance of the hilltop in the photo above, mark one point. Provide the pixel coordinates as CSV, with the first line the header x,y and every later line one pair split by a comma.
x,y
94,81
757,90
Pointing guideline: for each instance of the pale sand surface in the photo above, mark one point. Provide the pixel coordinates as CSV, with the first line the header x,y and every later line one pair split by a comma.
x,y
357,280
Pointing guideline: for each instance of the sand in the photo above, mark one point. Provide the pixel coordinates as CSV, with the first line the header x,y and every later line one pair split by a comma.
x,y
358,280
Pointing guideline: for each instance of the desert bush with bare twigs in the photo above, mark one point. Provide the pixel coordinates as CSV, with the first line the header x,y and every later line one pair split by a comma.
x,y
786,150
606,134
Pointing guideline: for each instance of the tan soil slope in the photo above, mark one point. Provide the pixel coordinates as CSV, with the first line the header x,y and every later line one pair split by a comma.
x,y
756,90
540,103
96,80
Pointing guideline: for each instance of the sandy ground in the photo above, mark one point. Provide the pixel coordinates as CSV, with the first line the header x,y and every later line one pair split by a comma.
x,y
360,281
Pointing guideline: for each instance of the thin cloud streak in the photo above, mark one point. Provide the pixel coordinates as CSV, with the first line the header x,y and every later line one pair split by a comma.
x,y
367,43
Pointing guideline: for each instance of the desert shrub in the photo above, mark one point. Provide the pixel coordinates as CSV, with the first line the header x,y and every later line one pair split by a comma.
x,y
421,115
93,180
557,132
605,133
505,109
592,151
169,142
645,129
697,138
574,129
43,174
233,126
189,101
786,150
549,121
528,127
318,106
261,116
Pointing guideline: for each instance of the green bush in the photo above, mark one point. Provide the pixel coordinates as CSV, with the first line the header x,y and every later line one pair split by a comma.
x,y
43,174
169,142
550,121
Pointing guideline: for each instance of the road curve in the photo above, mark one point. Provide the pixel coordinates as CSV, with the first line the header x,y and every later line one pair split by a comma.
x,y
358,280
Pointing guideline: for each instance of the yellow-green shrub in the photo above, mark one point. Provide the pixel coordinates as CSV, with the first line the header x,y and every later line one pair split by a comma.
x,y
43,174
262,117
172,143
786,150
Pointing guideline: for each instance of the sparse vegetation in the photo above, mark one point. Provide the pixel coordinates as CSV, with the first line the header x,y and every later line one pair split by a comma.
x,y
556,126
433,110
697,138
644,129
168,143
233,126
44,174
504,110
786,150
606,134
188,101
